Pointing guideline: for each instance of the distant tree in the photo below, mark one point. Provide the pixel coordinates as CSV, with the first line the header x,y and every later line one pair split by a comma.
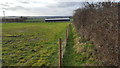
x,y
23,18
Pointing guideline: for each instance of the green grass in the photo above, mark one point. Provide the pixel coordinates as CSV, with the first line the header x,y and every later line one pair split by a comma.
x,y
79,52
31,44
0,44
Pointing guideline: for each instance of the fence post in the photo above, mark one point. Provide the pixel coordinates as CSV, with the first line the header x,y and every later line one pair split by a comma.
x,y
66,34
60,52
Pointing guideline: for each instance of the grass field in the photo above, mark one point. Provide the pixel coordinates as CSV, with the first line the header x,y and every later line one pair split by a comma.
x,y
31,44
0,44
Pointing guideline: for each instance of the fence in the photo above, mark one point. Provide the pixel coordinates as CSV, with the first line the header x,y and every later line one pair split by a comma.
x,y
62,46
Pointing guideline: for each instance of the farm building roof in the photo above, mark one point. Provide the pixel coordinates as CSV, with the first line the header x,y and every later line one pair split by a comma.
x,y
58,19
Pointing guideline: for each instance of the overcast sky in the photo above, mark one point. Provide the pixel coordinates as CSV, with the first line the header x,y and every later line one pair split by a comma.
x,y
40,7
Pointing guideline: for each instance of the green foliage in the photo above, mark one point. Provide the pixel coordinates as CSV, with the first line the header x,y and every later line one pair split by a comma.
x,y
34,20
31,44
0,44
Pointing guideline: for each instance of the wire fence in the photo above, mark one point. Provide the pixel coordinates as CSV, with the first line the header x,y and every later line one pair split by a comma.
x,y
62,46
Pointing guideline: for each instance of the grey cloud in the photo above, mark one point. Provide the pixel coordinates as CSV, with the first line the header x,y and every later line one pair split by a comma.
x,y
65,5
4,4
5,8
52,11
25,2
68,4
64,8
14,8
59,8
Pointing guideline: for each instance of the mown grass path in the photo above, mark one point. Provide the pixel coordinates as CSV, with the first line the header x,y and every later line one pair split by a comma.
x,y
68,59
78,50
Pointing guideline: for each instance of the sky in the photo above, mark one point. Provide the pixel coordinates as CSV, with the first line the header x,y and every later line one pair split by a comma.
x,y
40,7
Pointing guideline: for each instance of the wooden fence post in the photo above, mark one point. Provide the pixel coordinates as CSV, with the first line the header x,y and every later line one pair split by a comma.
x,y
60,52
66,34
